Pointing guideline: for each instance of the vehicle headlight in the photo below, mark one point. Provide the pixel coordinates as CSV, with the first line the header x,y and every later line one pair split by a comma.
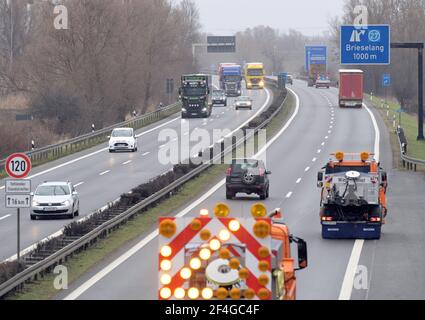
x,y
35,203
66,203
205,109
261,83
184,109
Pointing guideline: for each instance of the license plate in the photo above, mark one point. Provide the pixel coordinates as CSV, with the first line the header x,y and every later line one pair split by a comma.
x,y
50,209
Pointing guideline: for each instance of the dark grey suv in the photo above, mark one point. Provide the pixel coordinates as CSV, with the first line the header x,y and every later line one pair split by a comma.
x,y
247,176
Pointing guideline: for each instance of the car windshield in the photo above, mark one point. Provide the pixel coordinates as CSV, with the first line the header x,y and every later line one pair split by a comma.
x,y
232,78
52,191
195,91
218,93
244,99
240,167
122,133
255,72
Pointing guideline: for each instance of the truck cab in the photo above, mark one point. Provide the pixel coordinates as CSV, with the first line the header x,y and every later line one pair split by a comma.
x,y
353,197
232,79
254,75
195,95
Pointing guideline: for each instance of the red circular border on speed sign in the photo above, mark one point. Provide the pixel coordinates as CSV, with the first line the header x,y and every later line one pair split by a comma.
x,y
18,165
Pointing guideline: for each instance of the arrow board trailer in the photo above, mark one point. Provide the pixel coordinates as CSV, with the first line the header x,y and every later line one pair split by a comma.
x,y
214,258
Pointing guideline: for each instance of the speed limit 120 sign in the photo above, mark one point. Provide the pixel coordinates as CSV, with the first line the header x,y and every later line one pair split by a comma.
x,y
18,165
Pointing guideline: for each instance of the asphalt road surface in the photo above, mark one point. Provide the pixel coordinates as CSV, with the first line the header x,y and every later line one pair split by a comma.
x,y
319,128
391,268
102,177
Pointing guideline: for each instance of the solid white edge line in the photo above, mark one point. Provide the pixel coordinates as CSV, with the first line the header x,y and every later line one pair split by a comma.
x,y
350,273
5,217
109,268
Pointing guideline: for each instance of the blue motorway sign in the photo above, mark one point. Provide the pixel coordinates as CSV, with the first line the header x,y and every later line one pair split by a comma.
x,y
370,45
386,80
315,55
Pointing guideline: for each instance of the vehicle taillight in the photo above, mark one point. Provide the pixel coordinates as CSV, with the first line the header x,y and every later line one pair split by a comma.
x,y
327,219
373,219
229,172
262,172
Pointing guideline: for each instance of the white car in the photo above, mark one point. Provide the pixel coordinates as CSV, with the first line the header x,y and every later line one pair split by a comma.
x,y
123,139
55,199
243,102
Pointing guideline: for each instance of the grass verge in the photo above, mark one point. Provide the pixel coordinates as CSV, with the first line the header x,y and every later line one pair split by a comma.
x,y
81,263
409,122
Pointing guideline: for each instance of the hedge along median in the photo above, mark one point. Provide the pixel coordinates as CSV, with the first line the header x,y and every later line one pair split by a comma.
x,y
81,262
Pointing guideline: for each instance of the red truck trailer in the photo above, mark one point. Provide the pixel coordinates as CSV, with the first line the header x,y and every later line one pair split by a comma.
x,y
350,88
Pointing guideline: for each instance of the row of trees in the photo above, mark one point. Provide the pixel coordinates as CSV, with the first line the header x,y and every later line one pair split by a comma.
x,y
114,57
407,20
279,51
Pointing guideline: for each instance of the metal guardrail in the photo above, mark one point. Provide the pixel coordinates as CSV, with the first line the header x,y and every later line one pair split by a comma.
x,y
60,256
67,147
407,162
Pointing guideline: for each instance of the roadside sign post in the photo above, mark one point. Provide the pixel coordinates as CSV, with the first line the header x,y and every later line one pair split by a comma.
x,y
386,82
366,45
18,190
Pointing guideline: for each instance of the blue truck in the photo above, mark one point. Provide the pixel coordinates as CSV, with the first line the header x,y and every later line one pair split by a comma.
x,y
231,80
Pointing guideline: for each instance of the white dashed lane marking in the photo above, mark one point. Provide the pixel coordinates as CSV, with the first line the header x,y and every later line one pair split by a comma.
x,y
104,172
79,184
289,195
127,162
298,181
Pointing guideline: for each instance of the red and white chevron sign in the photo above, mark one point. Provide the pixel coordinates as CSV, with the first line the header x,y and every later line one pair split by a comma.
x,y
215,258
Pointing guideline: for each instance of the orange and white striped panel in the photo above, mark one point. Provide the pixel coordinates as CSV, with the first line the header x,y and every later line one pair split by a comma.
x,y
207,258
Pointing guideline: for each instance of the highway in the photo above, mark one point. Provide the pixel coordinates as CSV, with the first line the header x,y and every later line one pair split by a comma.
x,y
101,177
317,129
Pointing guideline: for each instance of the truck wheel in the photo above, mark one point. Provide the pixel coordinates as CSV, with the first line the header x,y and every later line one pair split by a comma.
x,y
263,196
229,196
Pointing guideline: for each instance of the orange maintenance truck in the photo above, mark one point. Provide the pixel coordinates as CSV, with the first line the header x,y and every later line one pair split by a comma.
x,y
221,257
353,197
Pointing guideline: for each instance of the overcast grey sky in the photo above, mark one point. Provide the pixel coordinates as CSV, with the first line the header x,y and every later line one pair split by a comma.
x,y
226,17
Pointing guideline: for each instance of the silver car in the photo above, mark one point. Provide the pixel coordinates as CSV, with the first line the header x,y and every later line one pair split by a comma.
x,y
52,199
243,102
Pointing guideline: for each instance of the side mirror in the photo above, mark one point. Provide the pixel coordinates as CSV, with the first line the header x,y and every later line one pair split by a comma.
x,y
32,194
384,177
268,172
302,252
75,193
109,137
